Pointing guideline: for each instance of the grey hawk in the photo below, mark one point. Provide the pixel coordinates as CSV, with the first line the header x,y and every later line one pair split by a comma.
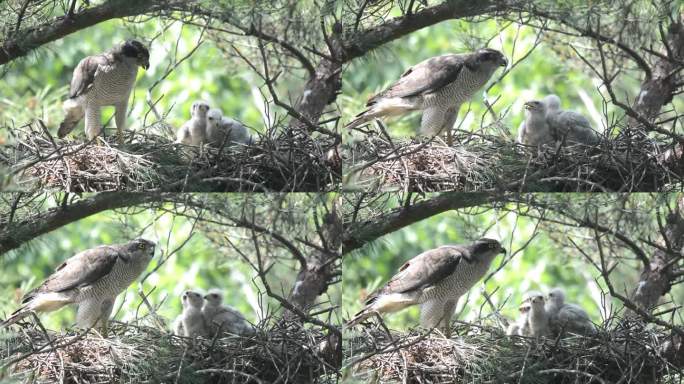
x,y
191,322
437,86
102,80
435,279
534,130
565,316
538,319
570,127
520,327
194,131
92,279
546,123
222,318
224,130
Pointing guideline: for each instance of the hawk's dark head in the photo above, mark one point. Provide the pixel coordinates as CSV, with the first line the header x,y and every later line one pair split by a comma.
x,y
140,249
491,58
135,49
485,248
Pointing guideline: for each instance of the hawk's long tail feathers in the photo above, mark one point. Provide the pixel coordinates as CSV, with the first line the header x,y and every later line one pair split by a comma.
x,y
42,302
360,119
383,107
74,113
360,316
15,316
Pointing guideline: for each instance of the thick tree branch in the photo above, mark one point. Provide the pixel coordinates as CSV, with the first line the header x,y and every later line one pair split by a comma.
x,y
41,223
30,38
359,234
365,40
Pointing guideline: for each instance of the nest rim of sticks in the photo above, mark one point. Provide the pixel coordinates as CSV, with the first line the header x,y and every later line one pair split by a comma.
x,y
144,353
488,163
483,353
286,162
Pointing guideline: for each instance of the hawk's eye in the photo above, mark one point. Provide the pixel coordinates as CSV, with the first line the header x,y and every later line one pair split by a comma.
x,y
141,246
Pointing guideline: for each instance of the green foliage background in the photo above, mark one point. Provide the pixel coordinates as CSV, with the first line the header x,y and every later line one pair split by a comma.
x,y
199,264
553,67
35,86
547,261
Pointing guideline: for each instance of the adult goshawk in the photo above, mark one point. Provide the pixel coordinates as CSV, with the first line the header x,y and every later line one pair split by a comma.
x,y
92,279
437,86
101,80
435,279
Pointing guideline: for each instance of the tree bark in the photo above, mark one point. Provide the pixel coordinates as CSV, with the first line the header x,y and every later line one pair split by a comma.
x,y
658,89
657,276
320,91
315,276
41,223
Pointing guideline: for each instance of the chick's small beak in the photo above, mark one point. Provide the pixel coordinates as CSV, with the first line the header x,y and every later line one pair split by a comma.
x,y
146,64
527,106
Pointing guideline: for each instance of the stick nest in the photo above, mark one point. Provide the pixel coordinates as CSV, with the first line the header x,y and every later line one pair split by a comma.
x,y
288,162
494,163
139,354
482,354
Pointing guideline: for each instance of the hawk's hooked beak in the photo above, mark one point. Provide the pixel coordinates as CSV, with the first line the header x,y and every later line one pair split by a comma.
x,y
503,62
503,250
144,60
